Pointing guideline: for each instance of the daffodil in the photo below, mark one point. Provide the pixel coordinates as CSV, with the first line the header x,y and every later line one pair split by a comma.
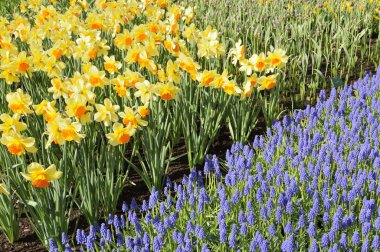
x,y
52,67
124,40
144,91
47,109
19,102
188,15
120,134
167,91
133,54
131,78
246,66
120,85
70,130
208,44
140,33
111,65
58,88
267,82
221,79
143,111
206,78
252,80
247,90
95,77
78,85
258,62
76,106
172,72
53,131
11,124
277,58
41,177
106,113
237,53
22,63
129,117
231,88
187,64
191,33
18,144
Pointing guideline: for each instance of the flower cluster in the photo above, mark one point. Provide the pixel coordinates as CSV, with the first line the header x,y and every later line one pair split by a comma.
x,y
103,62
310,184
336,8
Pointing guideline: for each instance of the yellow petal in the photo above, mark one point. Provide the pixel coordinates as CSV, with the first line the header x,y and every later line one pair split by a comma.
x,y
35,168
52,173
26,176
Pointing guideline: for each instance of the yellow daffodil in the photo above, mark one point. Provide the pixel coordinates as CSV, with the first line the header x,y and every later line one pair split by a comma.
x,y
18,144
206,78
208,44
231,88
237,53
143,111
187,64
144,91
52,130
277,58
140,33
267,82
106,113
41,177
22,63
19,102
61,130
11,124
172,72
76,106
131,78
120,134
47,109
78,85
52,67
111,65
246,66
220,80
191,33
188,15
58,88
70,130
147,63
167,91
129,117
258,62
95,77
247,90
252,80
133,54
120,85
124,40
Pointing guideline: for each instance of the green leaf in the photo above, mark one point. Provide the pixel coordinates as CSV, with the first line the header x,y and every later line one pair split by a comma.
x,y
31,203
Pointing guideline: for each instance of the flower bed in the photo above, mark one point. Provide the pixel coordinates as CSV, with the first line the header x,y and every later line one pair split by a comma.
x,y
310,184
90,90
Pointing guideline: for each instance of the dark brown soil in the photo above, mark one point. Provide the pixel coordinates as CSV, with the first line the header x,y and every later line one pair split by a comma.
x,y
28,240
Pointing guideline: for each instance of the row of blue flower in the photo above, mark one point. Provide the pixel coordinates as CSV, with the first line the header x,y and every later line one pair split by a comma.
x,y
311,184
